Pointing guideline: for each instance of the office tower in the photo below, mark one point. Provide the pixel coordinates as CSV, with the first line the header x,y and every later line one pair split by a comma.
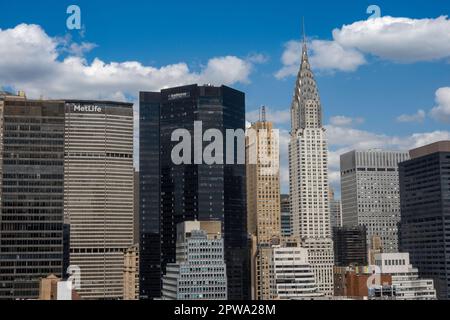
x,y
308,171
293,276
199,272
335,210
173,193
405,278
31,193
286,217
98,189
263,181
263,200
350,246
150,271
425,213
370,193
131,274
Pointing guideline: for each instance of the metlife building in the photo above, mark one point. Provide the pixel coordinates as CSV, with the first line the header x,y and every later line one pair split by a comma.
x,y
98,193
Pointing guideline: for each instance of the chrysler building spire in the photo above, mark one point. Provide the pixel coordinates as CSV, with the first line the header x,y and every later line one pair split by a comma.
x,y
306,110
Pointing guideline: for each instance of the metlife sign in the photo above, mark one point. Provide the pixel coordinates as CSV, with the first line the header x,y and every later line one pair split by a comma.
x,y
87,108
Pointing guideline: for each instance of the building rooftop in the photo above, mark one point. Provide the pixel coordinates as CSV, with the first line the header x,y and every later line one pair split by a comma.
x,y
107,102
441,146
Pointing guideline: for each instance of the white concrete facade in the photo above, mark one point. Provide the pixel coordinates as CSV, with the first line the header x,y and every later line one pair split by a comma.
x,y
405,278
200,271
293,277
308,172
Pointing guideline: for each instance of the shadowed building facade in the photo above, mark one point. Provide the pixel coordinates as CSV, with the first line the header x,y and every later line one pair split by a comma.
x,y
32,194
171,194
350,246
286,217
425,213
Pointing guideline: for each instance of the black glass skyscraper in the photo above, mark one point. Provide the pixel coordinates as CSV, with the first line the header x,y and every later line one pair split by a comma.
x,y
425,213
32,194
150,273
171,194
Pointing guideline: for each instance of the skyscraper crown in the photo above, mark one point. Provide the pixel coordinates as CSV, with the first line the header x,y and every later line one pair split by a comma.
x,y
306,110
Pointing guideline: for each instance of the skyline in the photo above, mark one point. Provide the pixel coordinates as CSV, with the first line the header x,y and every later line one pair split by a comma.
x,y
366,97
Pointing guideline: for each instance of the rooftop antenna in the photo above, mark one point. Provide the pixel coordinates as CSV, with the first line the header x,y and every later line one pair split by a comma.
x,y
304,30
264,115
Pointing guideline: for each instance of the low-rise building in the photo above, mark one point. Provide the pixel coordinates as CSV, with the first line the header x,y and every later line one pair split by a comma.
x,y
199,272
293,276
131,274
405,278
356,283
54,288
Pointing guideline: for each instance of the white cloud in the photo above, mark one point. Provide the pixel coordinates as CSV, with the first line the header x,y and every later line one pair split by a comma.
x,y
258,58
226,70
329,55
340,137
441,112
324,55
398,39
35,62
344,121
53,67
80,49
402,40
290,59
342,140
419,116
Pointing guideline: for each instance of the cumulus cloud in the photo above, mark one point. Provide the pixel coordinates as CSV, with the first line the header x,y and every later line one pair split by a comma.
x,y
344,139
401,40
32,60
324,55
330,55
340,137
419,116
344,121
398,39
258,58
53,67
441,112
80,49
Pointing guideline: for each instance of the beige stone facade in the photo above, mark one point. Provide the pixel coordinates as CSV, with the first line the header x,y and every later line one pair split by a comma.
x,y
263,202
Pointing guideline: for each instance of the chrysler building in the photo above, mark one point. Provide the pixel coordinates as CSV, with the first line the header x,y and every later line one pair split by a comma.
x,y
308,174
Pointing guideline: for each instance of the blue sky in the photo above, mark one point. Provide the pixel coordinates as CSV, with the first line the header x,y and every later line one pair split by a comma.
x,y
368,96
